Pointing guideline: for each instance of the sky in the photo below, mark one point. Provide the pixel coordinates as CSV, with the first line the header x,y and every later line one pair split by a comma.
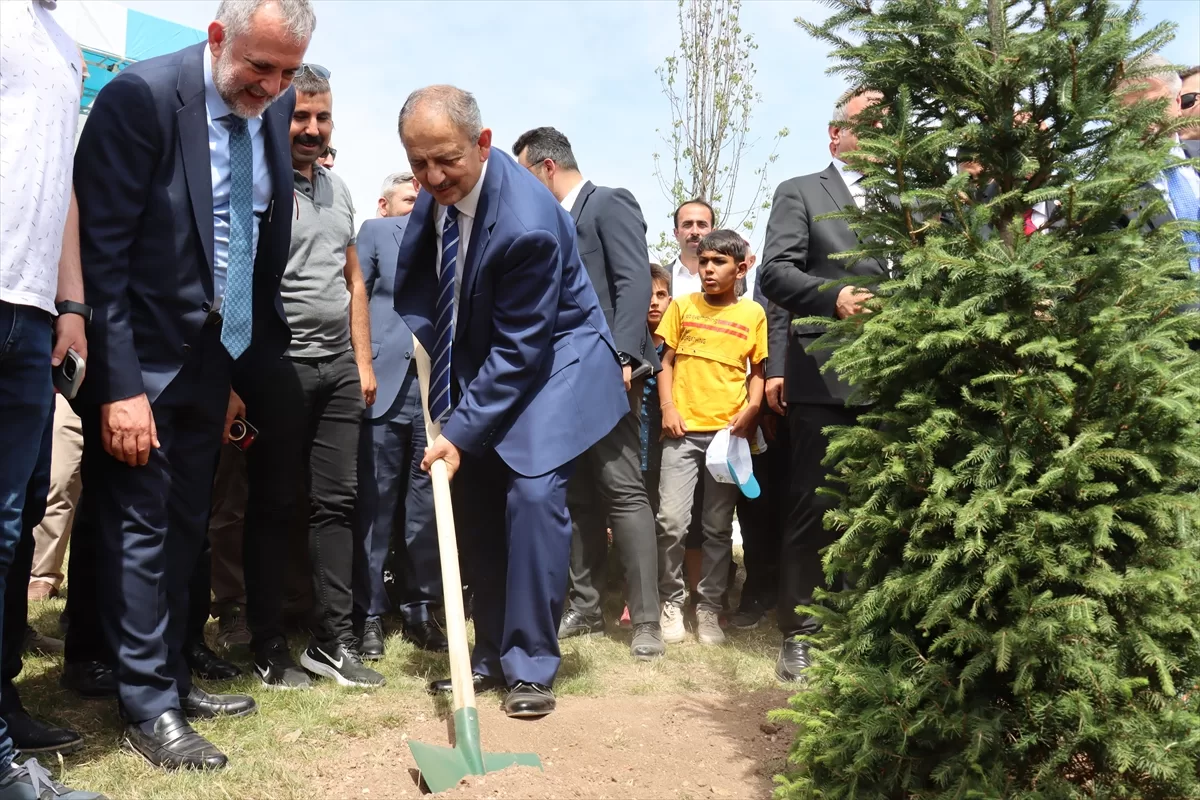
x,y
586,67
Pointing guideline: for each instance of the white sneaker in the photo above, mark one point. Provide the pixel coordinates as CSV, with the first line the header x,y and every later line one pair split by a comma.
x,y
671,622
708,627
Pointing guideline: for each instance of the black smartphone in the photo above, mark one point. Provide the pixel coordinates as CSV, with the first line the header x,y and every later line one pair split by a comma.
x,y
242,434
69,374
641,372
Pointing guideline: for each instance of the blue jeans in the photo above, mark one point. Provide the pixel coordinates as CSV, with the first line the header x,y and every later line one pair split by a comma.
x,y
26,401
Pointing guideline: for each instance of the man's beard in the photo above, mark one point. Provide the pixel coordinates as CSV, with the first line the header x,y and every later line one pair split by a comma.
x,y
227,86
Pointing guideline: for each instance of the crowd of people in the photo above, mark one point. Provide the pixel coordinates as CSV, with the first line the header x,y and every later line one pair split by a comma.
x,y
264,384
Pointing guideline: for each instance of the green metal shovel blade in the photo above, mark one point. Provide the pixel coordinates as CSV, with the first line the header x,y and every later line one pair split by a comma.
x,y
443,767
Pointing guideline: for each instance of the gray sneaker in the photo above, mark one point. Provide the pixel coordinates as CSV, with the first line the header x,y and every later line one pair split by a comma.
x,y
31,781
343,665
232,630
708,627
647,641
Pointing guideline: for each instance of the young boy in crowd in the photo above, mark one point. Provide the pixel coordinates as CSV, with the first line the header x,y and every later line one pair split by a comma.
x,y
709,338
660,300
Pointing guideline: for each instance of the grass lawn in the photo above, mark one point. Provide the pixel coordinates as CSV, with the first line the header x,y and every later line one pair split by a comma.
x,y
298,735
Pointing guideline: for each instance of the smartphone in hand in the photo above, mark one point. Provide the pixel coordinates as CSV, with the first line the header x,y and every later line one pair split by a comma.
x,y
242,434
69,374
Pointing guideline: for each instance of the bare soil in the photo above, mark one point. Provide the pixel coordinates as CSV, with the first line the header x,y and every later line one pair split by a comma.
x,y
623,747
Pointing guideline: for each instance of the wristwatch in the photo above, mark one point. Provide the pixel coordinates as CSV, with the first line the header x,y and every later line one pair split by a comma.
x,y
71,307
625,359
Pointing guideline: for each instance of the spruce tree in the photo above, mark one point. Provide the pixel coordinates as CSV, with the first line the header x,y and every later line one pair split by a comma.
x,y
1019,516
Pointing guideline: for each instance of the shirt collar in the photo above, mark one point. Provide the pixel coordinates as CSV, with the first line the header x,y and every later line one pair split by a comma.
x,y
322,185
469,204
568,202
850,176
217,107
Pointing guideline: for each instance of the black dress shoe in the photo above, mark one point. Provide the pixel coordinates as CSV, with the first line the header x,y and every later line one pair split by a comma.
x,y
427,636
89,679
527,700
370,646
174,745
793,660
33,736
574,623
199,704
204,663
483,683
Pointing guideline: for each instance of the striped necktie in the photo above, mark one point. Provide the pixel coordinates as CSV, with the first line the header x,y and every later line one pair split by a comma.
x,y
236,309
439,389
1187,207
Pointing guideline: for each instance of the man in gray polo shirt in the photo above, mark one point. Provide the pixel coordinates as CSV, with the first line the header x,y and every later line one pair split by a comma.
x,y
308,410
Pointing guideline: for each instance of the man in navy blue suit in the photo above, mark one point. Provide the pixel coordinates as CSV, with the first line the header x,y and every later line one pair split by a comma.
x,y
184,183
392,488
524,378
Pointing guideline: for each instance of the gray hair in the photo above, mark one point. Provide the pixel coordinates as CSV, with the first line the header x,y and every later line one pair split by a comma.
x,y
456,104
309,82
1153,68
841,112
235,16
391,182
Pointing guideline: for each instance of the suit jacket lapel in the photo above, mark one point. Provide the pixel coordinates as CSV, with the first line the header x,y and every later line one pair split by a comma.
x,y
835,186
276,133
192,120
481,232
581,200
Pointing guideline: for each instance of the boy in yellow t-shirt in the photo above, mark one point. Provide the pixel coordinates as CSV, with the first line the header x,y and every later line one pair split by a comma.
x,y
710,337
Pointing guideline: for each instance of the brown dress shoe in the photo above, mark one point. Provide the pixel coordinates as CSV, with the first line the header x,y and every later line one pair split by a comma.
x,y
41,590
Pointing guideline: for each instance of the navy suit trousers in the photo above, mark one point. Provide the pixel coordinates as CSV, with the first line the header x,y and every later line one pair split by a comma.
x,y
395,494
516,534
151,522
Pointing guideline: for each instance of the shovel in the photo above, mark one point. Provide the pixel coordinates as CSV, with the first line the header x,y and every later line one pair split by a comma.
x,y
443,767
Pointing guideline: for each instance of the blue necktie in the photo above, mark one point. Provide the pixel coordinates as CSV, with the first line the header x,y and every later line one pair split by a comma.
x,y
443,329
236,309
1187,206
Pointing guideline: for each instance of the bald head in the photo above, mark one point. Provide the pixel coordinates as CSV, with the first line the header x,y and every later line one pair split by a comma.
x,y
447,145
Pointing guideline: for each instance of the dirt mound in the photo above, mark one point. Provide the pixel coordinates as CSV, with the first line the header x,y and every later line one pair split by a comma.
x,y
682,747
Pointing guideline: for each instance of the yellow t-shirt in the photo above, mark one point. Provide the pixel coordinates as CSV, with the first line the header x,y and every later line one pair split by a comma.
x,y
712,345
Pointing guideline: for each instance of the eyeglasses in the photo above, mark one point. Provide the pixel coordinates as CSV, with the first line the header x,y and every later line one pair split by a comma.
x,y
315,69
1188,100
329,151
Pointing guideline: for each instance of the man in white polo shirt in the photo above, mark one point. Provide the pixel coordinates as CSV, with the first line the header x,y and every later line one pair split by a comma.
x,y
693,221
41,292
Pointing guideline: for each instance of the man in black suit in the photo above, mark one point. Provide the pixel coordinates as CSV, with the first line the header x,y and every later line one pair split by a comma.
x,y
800,276
607,487
185,195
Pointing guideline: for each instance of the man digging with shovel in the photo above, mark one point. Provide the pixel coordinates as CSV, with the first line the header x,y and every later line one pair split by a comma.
x,y
524,378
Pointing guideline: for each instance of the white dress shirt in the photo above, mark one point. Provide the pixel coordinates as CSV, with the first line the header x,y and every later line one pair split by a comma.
x,y
684,282
222,178
568,202
40,84
466,219
854,186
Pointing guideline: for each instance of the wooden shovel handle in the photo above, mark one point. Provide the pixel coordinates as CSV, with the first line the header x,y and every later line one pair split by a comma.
x,y
456,618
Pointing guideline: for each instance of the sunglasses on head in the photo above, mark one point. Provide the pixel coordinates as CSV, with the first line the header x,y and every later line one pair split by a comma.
x,y
1188,100
315,69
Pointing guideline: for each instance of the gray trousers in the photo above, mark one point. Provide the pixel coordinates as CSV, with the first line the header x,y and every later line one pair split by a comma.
x,y
607,490
682,467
